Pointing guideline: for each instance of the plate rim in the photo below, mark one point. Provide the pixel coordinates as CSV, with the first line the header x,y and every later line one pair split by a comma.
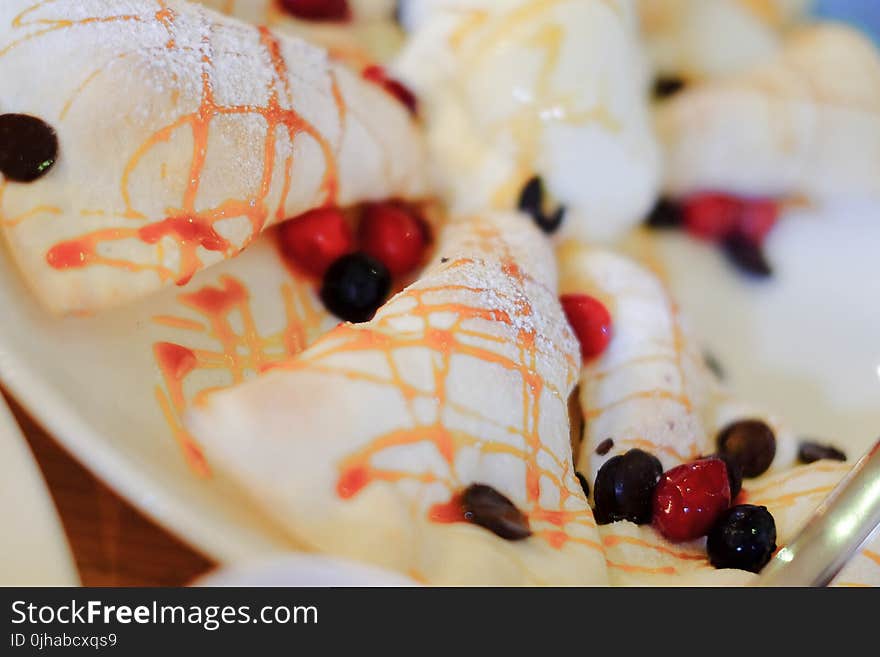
x,y
68,428
50,516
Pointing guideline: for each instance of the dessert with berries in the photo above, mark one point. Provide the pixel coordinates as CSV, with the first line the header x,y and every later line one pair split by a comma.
x,y
417,323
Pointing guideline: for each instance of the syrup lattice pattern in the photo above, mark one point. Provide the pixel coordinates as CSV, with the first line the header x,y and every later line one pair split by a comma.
x,y
188,227
483,321
226,315
343,41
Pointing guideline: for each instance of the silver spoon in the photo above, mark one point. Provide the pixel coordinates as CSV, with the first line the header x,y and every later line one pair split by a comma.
x,y
836,531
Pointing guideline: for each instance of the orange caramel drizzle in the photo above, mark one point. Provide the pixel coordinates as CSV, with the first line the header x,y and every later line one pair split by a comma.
x,y
359,469
241,353
187,227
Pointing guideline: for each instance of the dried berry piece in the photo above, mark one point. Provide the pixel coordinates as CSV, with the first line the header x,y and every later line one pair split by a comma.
x,y
751,443
605,446
668,85
486,507
28,147
810,452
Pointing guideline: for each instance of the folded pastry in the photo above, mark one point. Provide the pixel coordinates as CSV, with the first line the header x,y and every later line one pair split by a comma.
x,y
181,135
527,88
399,441
697,39
806,124
652,390
357,32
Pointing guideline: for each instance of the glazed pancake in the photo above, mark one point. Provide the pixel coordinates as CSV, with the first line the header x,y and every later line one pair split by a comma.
x,y
434,439
651,389
805,124
179,136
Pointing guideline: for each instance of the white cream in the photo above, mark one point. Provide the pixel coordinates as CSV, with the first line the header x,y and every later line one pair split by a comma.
x,y
555,88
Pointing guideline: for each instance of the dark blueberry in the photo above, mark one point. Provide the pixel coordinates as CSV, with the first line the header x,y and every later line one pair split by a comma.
x,y
28,147
734,473
531,201
624,488
743,537
747,256
666,213
355,286
531,198
486,507
584,484
550,223
810,452
714,365
751,443
605,446
668,85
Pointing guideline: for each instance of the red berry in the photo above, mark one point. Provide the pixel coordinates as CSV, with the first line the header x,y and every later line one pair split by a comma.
x,y
394,236
591,323
378,75
318,10
757,217
689,499
711,217
314,240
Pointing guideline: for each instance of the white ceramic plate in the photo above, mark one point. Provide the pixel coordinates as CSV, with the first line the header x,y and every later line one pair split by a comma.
x,y
805,344
34,550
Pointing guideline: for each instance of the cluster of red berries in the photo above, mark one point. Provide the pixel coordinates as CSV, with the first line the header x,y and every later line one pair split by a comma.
x,y
739,225
694,499
717,217
356,272
390,232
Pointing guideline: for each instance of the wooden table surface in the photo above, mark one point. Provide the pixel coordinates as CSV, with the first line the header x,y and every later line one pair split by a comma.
x,y
113,543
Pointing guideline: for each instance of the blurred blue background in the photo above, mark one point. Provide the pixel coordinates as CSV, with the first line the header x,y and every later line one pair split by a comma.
x,y
864,13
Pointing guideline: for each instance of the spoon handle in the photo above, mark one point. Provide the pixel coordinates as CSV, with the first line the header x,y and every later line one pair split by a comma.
x,y
842,524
